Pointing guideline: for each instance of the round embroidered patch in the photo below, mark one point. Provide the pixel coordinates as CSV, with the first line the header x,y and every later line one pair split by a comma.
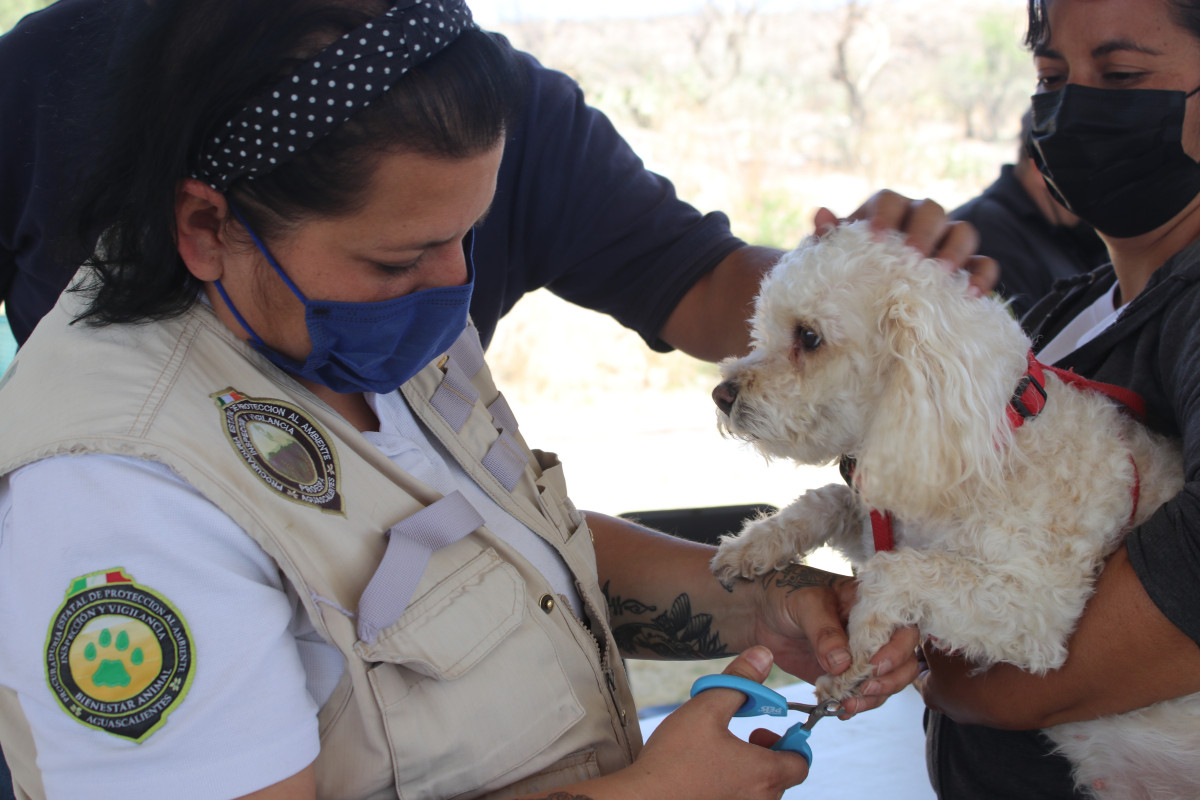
x,y
118,655
283,447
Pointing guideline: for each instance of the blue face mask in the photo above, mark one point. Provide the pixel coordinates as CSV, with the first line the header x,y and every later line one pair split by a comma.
x,y
370,347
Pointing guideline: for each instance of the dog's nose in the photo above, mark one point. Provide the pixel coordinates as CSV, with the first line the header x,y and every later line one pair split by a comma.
x,y
724,395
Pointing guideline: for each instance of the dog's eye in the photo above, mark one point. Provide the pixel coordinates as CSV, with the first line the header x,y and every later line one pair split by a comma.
x,y
807,338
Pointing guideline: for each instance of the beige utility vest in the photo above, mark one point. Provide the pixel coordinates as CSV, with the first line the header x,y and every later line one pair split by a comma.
x,y
487,685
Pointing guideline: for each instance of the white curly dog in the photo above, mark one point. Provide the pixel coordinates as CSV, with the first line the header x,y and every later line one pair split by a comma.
x,y
1001,519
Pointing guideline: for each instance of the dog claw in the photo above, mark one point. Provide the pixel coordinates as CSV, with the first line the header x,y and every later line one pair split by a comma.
x,y
841,687
728,565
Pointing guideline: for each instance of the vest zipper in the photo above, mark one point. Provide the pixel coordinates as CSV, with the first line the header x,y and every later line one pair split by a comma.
x,y
605,660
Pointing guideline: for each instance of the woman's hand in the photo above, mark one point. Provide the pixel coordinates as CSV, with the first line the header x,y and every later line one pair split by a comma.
x,y
692,753
927,229
802,617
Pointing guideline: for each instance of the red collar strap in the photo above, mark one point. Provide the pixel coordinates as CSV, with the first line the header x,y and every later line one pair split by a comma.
x,y
882,530
1027,402
881,521
1030,397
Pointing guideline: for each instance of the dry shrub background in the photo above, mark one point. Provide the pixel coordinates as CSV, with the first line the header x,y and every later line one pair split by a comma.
x,y
767,117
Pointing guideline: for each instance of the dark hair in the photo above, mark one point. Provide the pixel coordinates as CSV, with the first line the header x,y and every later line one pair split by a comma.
x,y
192,65
1038,29
1025,136
1186,14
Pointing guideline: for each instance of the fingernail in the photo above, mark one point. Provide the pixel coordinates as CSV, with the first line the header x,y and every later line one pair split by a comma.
x,y
872,688
839,657
760,658
883,667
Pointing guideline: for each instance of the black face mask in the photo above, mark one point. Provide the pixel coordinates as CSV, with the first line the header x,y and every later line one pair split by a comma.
x,y
1115,156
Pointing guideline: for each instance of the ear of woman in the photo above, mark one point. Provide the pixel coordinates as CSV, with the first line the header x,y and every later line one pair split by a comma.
x,y
201,213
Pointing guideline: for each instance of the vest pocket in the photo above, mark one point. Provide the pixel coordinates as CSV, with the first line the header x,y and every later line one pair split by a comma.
x,y
552,493
470,685
575,768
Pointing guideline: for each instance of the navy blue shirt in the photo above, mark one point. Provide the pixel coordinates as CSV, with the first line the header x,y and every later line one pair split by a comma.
x,y
575,211
52,62
1032,253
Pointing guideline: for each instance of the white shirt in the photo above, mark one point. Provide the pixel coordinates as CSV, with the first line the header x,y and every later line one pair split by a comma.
x,y
261,670
1090,323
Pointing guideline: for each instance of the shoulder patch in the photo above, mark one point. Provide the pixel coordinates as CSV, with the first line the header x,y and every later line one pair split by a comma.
x,y
119,656
288,452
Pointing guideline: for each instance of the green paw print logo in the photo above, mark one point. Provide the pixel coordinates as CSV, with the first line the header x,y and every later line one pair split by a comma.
x,y
112,671
114,658
119,656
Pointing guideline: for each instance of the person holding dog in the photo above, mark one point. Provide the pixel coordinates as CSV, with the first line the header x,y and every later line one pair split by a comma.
x,y
1116,132
1033,238
237,560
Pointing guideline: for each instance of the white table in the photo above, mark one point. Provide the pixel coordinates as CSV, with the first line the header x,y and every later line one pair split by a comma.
x,y
878,754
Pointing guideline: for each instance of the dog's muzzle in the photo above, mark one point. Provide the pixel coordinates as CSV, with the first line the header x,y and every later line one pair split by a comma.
x,y
725,395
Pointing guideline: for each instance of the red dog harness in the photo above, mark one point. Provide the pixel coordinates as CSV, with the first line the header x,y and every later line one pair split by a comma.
x,y
1030,397
1027,402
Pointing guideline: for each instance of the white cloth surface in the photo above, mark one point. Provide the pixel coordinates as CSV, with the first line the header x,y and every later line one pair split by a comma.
x,y
262,671
1090,323
877,754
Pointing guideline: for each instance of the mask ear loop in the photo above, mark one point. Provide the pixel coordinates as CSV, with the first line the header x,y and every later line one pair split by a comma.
x,y
1187,97
262,248
241,321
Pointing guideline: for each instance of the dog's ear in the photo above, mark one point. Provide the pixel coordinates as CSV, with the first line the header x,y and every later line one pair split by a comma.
x,y
940,420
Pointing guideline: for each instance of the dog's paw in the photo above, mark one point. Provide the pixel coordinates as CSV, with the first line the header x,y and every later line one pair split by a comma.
x,y
750,554
727,573
732,563
840,687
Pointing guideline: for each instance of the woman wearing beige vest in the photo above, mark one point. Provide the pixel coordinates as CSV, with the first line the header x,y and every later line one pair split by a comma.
x,y
236,560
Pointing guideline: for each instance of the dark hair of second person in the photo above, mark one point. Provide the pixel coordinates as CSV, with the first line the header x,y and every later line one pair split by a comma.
x,y
1186,14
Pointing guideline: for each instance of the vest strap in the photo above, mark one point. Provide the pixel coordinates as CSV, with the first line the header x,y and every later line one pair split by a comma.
x,y
502,414
504,460
467,351
411,543
455,396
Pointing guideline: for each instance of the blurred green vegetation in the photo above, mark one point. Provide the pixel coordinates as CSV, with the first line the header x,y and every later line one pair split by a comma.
x,y
13,10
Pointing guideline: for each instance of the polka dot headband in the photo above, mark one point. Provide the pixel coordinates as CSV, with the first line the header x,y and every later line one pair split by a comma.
x,y
328,89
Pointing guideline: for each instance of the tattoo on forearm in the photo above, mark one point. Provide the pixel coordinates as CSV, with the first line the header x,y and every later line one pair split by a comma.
x,y
675,634
798,576
618,605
